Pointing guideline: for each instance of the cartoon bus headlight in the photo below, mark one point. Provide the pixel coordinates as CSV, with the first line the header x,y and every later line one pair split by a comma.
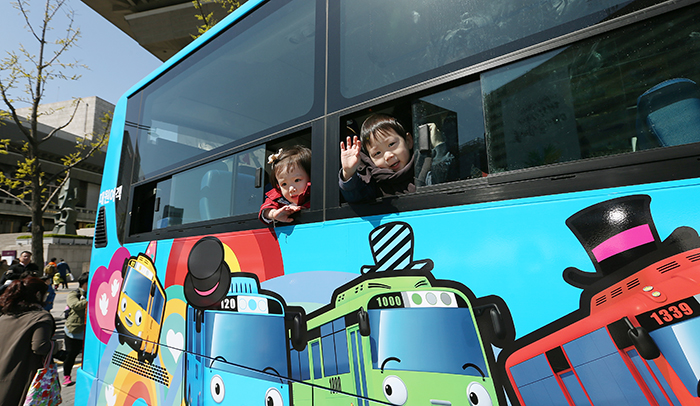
x,y
141,308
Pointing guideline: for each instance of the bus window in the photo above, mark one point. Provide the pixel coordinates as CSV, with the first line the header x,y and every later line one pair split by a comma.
x,y
455,148
383,43
255,75
223,188
573,103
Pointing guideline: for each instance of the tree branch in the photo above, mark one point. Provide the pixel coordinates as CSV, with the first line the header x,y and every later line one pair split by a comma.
x,y
25,14
63,182
57,129
19,199
13,112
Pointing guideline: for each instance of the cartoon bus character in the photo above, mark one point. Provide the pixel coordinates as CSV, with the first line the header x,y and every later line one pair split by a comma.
x,y
399,336
237,334
635,339
141,307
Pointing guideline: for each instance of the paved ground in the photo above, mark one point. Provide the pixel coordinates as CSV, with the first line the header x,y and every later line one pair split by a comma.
x,y
67,392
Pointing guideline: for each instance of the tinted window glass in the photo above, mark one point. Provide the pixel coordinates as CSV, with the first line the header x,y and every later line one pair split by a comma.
x,y
219,189
254,76
628,90
384,42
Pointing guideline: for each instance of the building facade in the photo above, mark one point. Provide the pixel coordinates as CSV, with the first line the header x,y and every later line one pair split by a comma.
x,y
14,217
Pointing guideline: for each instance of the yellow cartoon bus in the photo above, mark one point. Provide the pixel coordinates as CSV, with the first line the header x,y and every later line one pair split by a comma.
x,y
141,307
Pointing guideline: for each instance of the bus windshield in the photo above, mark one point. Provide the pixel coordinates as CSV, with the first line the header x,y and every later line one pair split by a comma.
x,y
248,340
137,287
429,340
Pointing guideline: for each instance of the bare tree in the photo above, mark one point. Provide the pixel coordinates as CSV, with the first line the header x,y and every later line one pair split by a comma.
x,y
24,75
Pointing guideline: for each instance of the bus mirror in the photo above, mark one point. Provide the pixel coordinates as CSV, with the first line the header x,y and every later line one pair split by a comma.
x,y
153,289
363,322
645,345
499,329
298,332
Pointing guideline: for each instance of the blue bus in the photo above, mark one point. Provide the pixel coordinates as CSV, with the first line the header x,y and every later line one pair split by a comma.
x,y
545,109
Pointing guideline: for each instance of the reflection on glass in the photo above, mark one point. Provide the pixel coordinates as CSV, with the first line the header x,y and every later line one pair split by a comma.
x,y
255,75
383,42
219,189
584,101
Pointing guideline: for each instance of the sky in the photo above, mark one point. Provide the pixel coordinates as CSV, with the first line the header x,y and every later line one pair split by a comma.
x,y
115,61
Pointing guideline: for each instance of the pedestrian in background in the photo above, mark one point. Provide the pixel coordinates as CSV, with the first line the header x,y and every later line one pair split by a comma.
x,y
24,264
50,268
25,337
48,303
75,326
63,270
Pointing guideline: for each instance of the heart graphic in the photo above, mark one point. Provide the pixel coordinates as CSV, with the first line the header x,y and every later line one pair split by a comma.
x,y
176,343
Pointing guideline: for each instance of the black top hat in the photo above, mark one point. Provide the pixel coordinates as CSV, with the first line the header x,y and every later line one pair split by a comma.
x,y
208,276
614,233
392,249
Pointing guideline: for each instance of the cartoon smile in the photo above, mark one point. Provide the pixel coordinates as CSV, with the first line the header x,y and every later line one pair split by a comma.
x,y
128,322
207,292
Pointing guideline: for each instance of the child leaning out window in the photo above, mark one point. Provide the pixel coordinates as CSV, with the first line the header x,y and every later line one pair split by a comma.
x,y
291,190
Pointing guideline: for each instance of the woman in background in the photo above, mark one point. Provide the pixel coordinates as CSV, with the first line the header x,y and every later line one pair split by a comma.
x,y
25,337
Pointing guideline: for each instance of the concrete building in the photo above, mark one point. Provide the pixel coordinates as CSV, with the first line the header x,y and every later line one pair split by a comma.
x,y
88,175
163,27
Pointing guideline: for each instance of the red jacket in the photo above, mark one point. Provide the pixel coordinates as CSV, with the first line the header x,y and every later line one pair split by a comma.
x,y
275,200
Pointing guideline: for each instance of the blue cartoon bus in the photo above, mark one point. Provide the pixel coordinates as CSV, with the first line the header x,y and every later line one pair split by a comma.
x,y
236,334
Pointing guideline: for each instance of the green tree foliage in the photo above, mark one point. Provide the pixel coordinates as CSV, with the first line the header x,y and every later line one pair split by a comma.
x,y
207,19
24,74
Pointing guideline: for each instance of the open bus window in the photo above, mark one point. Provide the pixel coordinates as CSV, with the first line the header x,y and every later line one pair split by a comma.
x,y
231,186
448,133
449,136
574,103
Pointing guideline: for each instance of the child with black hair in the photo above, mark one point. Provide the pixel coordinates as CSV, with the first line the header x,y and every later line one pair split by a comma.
x,y
381,161
289,176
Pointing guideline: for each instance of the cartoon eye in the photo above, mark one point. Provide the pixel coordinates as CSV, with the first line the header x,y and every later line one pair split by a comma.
x,y
217,389
123,304
478,395
138,318
273,397
395,390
